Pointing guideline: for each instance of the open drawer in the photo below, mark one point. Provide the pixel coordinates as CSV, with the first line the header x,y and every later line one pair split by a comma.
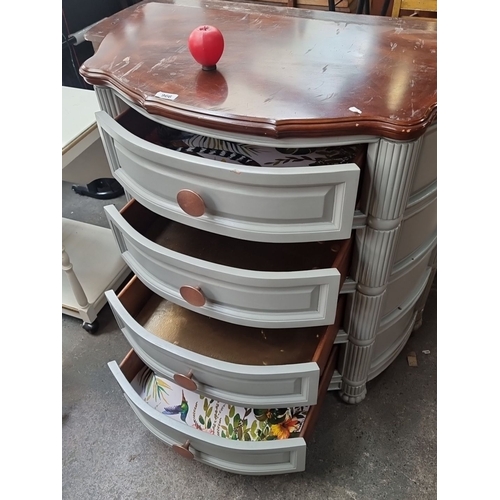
x,y
177,422
268,285
229,363
311,195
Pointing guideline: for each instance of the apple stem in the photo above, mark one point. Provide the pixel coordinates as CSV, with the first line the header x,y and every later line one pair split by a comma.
x,y
209,68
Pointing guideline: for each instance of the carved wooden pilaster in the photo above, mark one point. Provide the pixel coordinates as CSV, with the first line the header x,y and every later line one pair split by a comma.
x,y
117,234
356,358
364,318
109,149
363,323
375,256
109,102
392,171
391,168
113,106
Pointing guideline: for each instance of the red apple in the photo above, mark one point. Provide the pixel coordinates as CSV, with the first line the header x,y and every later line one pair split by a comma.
x,y
206,45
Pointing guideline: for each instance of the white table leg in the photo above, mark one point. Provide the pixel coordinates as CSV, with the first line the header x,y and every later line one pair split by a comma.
x,y
78,292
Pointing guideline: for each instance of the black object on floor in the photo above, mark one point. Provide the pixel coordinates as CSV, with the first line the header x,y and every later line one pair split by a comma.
x,y
103,189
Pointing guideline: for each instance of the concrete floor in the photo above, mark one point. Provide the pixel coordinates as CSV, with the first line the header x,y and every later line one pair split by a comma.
x,y
383,448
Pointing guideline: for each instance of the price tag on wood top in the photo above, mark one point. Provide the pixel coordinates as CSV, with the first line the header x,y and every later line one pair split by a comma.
x,y
166,95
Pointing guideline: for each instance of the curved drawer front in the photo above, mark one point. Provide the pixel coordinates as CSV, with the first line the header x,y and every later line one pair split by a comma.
x,y
390,342
250,298
417,231
243,457
258,386
426,169
406,285
253,203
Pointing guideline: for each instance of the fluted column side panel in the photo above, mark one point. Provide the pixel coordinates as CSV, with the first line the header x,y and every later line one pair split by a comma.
x,y
355,371
109,149
392,176
109,102
364,317
117,234
375,259
352,394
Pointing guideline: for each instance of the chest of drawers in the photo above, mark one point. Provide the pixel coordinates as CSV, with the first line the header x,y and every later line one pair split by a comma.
x,y
282,243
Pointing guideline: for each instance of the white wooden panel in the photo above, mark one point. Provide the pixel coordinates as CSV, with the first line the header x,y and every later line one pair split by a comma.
x,y
96,263
91,164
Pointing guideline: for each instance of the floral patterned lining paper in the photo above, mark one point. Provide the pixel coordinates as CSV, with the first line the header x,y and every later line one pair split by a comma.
x,y
250,155
214,417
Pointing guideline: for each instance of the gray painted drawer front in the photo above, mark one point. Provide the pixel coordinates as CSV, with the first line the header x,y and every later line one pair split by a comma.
x,y
285,204
258,458
240,296
426,169
417,230
243,380
408,280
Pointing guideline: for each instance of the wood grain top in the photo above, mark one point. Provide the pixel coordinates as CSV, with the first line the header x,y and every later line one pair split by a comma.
x,y
284,72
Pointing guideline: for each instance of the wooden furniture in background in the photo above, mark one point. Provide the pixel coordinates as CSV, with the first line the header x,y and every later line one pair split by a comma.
x,y
420,7
339,5
91,263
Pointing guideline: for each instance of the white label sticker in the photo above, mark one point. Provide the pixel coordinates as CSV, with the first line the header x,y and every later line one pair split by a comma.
x,y
166,95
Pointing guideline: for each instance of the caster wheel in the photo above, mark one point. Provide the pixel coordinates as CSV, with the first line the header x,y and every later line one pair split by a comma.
x,y
91,327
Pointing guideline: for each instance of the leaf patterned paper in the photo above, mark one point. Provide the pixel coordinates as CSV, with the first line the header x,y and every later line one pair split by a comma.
x,y
249,155
214,417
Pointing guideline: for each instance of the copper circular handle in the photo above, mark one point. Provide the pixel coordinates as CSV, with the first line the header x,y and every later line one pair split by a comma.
x,y
183,450
186,381
192,203
192,295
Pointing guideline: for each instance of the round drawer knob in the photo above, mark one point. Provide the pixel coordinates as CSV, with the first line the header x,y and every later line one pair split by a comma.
x,y
192,295
192,203
186,381
183,450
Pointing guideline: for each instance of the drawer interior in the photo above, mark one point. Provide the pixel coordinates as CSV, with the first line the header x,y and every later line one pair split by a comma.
x,y
238,153
233,252
225,341
218,418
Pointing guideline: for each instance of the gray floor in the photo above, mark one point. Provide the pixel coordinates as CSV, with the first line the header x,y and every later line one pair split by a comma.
x,y
383,448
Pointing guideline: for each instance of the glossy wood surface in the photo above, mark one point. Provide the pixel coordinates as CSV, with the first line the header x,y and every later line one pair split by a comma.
x,y
284,72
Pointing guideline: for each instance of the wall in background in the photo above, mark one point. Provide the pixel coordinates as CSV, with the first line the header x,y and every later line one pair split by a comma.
x,y
76,15
377,5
